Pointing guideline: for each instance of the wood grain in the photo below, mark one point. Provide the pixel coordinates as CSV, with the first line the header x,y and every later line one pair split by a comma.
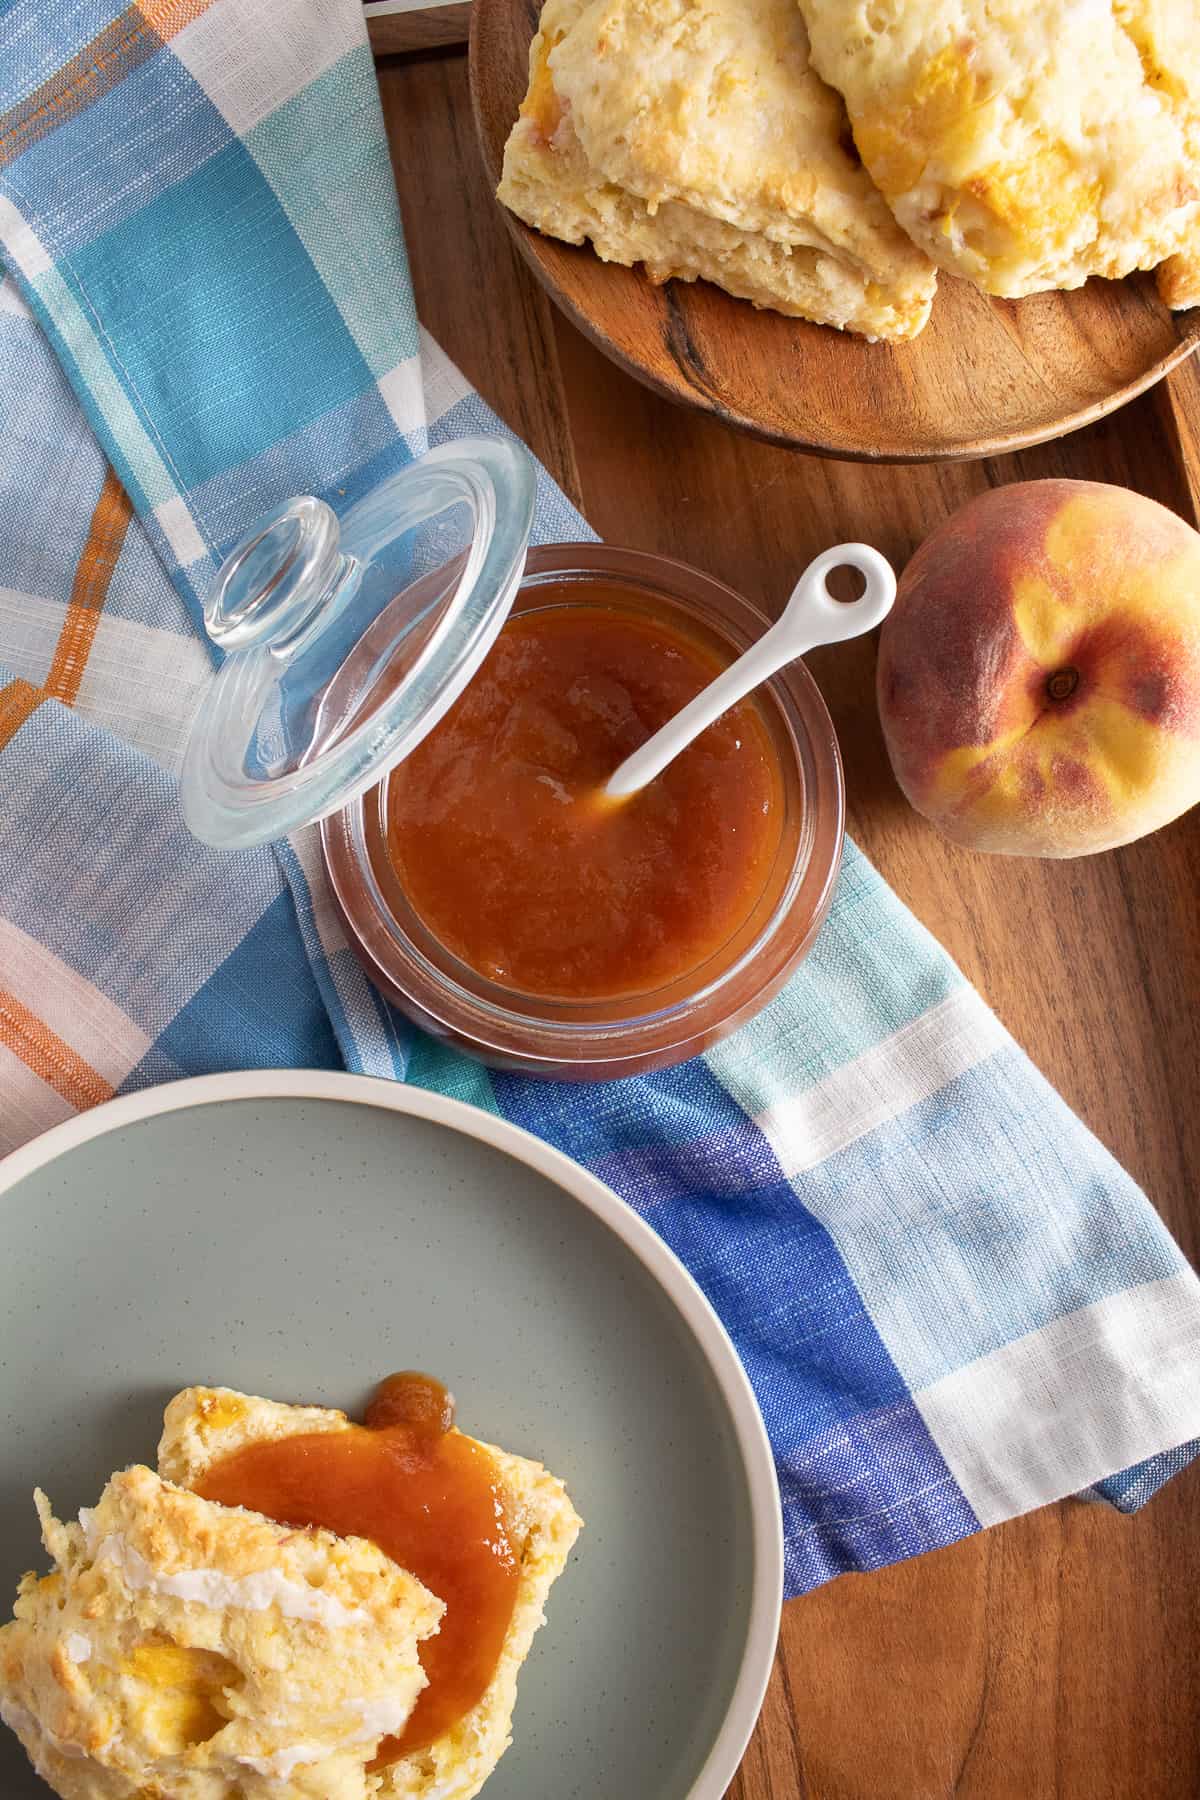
x,y
983,378
1056,1657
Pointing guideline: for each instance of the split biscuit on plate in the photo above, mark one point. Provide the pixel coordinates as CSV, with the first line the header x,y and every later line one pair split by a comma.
x,y
1028,144
202,1425
693,136
182,1650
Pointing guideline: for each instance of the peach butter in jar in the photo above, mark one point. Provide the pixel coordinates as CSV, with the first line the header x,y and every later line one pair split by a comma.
x,y
452,708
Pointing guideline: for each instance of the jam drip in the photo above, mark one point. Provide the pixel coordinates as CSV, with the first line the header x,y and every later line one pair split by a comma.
x,y
430,1498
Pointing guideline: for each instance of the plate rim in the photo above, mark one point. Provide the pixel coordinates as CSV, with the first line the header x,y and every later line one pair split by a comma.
x,y
605,1204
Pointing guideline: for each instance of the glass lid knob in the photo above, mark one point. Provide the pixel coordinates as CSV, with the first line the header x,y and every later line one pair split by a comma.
x,y
347,639
279,579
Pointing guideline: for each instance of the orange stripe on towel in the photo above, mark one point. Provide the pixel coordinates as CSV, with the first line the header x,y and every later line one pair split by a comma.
x,y
94,71
168,17
49,1056
93,574
126,42
18,699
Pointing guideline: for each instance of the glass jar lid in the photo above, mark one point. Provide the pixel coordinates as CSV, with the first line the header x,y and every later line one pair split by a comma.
x,y
346,640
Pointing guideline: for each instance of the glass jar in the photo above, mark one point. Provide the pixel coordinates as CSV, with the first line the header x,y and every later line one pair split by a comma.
x,y
346,643
599,1039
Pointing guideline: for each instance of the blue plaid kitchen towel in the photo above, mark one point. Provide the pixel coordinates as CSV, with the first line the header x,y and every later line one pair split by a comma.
x,y
952,1303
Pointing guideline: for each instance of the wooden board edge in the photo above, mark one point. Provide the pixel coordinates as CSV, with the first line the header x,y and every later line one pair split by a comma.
x,y
434,27
1180,412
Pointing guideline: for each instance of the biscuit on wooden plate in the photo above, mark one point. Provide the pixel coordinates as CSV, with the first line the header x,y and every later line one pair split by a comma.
x,y
1179,277
694,137
1028,144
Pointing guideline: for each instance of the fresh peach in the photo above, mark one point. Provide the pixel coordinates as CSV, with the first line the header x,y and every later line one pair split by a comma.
x,y
1039,675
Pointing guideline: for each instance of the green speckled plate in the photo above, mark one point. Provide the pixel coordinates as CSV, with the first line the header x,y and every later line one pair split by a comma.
x,y
300,1235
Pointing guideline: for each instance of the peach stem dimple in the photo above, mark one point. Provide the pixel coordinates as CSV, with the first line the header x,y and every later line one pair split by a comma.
x,y
1062,684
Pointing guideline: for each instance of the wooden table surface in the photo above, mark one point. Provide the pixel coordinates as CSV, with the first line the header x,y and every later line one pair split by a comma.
x,y
1058,1655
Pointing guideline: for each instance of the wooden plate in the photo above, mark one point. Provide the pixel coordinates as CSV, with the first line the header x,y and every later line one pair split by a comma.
x,y
985,376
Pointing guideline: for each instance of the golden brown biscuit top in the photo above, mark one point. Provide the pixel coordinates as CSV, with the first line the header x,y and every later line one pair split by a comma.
x,y
1026,144
716,103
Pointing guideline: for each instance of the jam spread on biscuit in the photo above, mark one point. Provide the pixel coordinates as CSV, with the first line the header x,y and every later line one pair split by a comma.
x,y
430,1498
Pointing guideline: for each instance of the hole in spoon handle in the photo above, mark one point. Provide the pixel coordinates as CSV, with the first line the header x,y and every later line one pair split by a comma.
x,y
812,616
828,620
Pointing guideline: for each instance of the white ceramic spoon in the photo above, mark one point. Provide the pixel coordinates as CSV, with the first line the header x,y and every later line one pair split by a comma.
x,y
812,616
